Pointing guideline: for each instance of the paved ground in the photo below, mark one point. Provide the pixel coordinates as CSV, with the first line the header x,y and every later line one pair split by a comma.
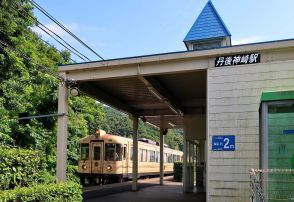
x,y
149,192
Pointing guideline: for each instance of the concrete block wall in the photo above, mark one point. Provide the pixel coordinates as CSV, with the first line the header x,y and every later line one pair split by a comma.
x,y
233,109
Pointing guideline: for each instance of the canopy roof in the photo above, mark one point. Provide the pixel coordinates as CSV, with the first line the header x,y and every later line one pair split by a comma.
x,y
171,85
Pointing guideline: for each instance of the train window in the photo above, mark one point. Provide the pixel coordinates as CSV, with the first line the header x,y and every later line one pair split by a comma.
x,y
113,152
124,152
169,157
109,152
141,155
96,153
152,156
84,151
174,158
145,155
165,157
118,153
131,153
157,157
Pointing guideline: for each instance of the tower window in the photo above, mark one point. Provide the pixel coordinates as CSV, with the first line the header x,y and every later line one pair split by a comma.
x,y
206,45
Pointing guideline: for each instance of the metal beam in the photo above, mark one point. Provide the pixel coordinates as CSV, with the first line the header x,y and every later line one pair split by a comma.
x,y
193,102
92,90
154,112
41,116
167,111
194,110
168,121
161,94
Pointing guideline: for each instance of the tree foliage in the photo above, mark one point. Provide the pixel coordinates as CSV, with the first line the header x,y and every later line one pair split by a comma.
x,y
119,123
20,167
28,84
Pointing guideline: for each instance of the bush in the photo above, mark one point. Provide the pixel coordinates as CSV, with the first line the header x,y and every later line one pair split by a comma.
x,y
70,192
19,167
72,174
5,139
178,171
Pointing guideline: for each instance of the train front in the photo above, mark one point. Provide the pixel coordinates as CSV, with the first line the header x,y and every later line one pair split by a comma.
x,y
102,159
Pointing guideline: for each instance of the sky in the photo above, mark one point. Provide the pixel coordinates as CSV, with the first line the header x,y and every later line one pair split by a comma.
x,y
127,28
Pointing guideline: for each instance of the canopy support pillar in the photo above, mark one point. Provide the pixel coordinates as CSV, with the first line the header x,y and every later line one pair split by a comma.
x,y
135,154
161,151
62,130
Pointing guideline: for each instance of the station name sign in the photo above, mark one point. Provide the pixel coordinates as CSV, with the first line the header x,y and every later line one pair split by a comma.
x,y
223,143
240,59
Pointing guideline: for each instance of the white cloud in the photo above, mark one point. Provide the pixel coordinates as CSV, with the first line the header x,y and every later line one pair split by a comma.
x,y
250,39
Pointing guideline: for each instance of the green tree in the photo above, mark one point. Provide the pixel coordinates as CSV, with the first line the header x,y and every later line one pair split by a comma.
x,y
28,84
85,116
120,124
25,87
117,123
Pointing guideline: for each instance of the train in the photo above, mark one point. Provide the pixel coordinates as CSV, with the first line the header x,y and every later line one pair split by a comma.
x,y
106,158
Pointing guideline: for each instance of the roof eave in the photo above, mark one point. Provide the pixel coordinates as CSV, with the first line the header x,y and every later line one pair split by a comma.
x,y
285,43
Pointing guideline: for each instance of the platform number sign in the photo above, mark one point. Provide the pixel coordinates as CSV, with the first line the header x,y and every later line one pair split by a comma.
x,y
223,143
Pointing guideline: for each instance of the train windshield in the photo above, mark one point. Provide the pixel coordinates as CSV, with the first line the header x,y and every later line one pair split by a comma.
x,y
84,151
113,152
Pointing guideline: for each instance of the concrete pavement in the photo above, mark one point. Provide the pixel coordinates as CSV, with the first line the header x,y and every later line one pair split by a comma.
x,y
151,192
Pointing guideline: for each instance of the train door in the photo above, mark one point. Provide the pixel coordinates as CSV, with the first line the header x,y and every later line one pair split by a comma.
x,y
124,161
96,157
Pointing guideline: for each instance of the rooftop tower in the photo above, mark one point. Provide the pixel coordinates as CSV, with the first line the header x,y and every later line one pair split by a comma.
x,y
208,31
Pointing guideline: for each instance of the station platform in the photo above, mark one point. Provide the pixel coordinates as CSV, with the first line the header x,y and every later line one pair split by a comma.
x,y
149,191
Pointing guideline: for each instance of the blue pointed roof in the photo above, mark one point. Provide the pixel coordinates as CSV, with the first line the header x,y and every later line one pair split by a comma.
x,y
208,25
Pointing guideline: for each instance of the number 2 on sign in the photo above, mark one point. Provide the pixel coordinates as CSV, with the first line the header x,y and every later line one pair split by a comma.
x,y
227,142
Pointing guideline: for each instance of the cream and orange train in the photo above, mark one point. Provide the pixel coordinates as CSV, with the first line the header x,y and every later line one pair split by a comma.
x,y
106,157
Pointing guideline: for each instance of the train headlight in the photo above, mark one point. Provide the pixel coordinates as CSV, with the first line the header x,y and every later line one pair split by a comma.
x,y
84,167
108,168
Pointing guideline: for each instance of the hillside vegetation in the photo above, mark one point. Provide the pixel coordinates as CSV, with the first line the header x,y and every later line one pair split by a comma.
x,y
28,85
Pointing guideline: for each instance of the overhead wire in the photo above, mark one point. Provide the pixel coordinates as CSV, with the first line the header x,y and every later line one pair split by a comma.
x,y
36,5
47,30
25,57
47,43
44,30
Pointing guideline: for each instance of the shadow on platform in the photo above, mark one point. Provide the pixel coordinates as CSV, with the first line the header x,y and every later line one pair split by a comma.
x,y
149,191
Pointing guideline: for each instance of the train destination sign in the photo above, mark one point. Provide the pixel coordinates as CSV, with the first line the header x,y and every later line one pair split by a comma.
x,y
223,143
240,59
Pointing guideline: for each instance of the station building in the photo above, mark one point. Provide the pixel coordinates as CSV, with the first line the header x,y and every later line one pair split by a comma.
x,y
234,102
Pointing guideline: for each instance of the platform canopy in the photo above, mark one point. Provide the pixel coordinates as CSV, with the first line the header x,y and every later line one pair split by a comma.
x,y
169,85
172,85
